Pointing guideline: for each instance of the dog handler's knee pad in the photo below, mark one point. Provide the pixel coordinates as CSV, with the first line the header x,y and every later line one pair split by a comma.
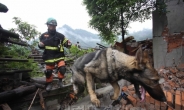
x,y
48,73
62,70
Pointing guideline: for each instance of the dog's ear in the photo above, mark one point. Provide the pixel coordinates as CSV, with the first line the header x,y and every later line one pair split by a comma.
x,y
139,55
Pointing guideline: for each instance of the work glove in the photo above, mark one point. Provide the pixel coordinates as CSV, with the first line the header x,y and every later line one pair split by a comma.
x,y
41,44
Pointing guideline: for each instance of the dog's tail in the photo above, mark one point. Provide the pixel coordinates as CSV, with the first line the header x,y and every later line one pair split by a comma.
x,y
78,81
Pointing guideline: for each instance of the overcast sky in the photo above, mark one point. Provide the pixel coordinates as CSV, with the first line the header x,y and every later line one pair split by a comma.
x,y
70,12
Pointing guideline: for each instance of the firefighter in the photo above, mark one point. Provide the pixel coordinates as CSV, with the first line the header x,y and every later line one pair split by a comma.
x,y
53,42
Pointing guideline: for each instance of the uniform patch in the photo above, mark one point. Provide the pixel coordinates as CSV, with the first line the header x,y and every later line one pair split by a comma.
x,y
46,35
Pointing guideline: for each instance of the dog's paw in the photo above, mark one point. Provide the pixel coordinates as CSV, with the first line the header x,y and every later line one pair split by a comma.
x,y
96,102
113,97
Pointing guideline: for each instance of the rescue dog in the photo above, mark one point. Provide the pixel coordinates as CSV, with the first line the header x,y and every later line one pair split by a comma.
x,y
109,65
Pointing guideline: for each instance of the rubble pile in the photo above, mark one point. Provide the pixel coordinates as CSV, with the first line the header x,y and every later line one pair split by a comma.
x,y
133,102
172,82
173,85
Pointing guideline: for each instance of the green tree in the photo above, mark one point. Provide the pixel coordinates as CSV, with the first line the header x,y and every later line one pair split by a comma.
x,y
75,51
112,17
26,31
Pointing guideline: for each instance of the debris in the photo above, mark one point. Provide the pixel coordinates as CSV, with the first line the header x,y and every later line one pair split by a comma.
x,y
36,84
16,93
42,103
33,99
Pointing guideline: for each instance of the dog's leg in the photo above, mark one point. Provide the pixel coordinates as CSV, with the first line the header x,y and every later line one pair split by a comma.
x,y
91,91
75,87
116,87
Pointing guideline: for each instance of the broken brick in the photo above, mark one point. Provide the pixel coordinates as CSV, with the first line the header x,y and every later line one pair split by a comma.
x,y
181,65
173,70
172,91
131,93
163,106
128,107
182,105
147,97
169,108
182,94
178,100
132,100
151,107
182,81
130,87
167,86
124,88
152,101
171,83
157,105
147,105
169,96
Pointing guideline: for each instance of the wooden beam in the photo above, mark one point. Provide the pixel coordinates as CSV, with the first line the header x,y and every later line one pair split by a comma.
x,y
18,43
35,55
12,59
7,33
40,56
16,93
15,71
41,86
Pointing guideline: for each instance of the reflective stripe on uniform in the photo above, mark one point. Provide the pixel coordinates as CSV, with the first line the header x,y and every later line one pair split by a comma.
x,y
54,60
61,48
51,48
65,40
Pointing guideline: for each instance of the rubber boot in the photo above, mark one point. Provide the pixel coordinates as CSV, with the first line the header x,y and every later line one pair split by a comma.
x,y
49,86
60,83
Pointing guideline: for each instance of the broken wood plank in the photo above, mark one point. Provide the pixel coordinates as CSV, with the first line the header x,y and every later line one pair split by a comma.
x,y
38,81
36,84
42,103
14,42
7,33
12,59
14,71
33,99
39,56
33,55
16,93
38,59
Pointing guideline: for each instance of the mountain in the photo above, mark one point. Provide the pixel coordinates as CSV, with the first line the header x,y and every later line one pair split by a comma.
x,y
86,39
141,35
